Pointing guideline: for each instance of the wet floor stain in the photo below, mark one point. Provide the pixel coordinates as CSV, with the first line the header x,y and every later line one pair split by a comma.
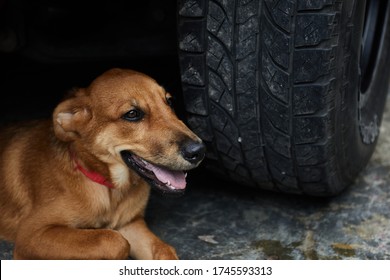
x,y
344,250
275,250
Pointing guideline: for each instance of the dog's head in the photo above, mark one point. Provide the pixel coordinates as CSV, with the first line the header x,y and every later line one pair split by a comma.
x,y
124,120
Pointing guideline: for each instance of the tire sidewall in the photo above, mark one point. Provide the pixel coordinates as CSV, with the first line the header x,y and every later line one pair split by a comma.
x,y
360,112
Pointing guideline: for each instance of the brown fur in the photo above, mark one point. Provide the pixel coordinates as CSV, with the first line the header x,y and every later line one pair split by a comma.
x,y
51,210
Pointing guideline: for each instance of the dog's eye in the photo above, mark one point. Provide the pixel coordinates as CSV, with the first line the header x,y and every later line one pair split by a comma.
x,y
133,115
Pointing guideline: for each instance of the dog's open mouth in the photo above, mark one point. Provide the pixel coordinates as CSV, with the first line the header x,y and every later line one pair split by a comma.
x,y
163,179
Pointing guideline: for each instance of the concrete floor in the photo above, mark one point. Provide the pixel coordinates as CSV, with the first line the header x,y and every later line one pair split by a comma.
x,y
215,221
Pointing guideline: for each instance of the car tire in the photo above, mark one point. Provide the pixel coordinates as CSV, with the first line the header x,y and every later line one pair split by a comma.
x,y
287,95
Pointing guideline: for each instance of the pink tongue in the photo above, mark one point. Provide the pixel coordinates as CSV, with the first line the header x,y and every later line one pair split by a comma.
x,y
175,178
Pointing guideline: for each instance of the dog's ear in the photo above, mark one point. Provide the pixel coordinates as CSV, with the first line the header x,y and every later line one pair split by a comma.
x,y
70,116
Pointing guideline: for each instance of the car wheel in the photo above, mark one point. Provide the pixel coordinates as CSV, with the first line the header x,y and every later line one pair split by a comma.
x,y
287,95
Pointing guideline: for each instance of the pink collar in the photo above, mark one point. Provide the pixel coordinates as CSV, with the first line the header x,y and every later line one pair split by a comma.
x,y
93,176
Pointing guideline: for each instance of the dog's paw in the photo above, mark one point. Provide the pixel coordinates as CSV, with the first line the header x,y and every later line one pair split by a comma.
x,y
116,246
163,251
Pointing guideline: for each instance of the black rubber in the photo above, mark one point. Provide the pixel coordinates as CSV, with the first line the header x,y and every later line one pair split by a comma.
x,y
274,89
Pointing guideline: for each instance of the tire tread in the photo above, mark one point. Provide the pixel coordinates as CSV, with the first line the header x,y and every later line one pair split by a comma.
x,y
259,76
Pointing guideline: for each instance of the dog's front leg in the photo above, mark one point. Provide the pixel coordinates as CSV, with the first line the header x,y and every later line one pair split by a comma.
x,y
144,244
61,242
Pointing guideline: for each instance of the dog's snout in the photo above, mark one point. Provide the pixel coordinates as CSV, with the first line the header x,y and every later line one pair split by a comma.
x,y
193,152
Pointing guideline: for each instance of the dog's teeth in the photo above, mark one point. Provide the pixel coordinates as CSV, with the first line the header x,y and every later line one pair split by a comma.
x,y
169,185
185,175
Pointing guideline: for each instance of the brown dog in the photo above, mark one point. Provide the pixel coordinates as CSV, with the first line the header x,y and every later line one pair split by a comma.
x,y
76,187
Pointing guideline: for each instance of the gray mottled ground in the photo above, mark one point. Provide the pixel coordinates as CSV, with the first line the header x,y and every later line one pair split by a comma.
x,y
218,221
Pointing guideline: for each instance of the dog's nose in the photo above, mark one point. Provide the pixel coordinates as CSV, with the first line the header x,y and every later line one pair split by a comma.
x,y
193,152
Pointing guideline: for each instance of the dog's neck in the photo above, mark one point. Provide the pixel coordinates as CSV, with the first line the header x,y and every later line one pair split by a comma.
x,y
92,175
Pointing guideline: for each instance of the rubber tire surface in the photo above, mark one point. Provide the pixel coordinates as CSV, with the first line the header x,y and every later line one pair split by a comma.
x,y
273,88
